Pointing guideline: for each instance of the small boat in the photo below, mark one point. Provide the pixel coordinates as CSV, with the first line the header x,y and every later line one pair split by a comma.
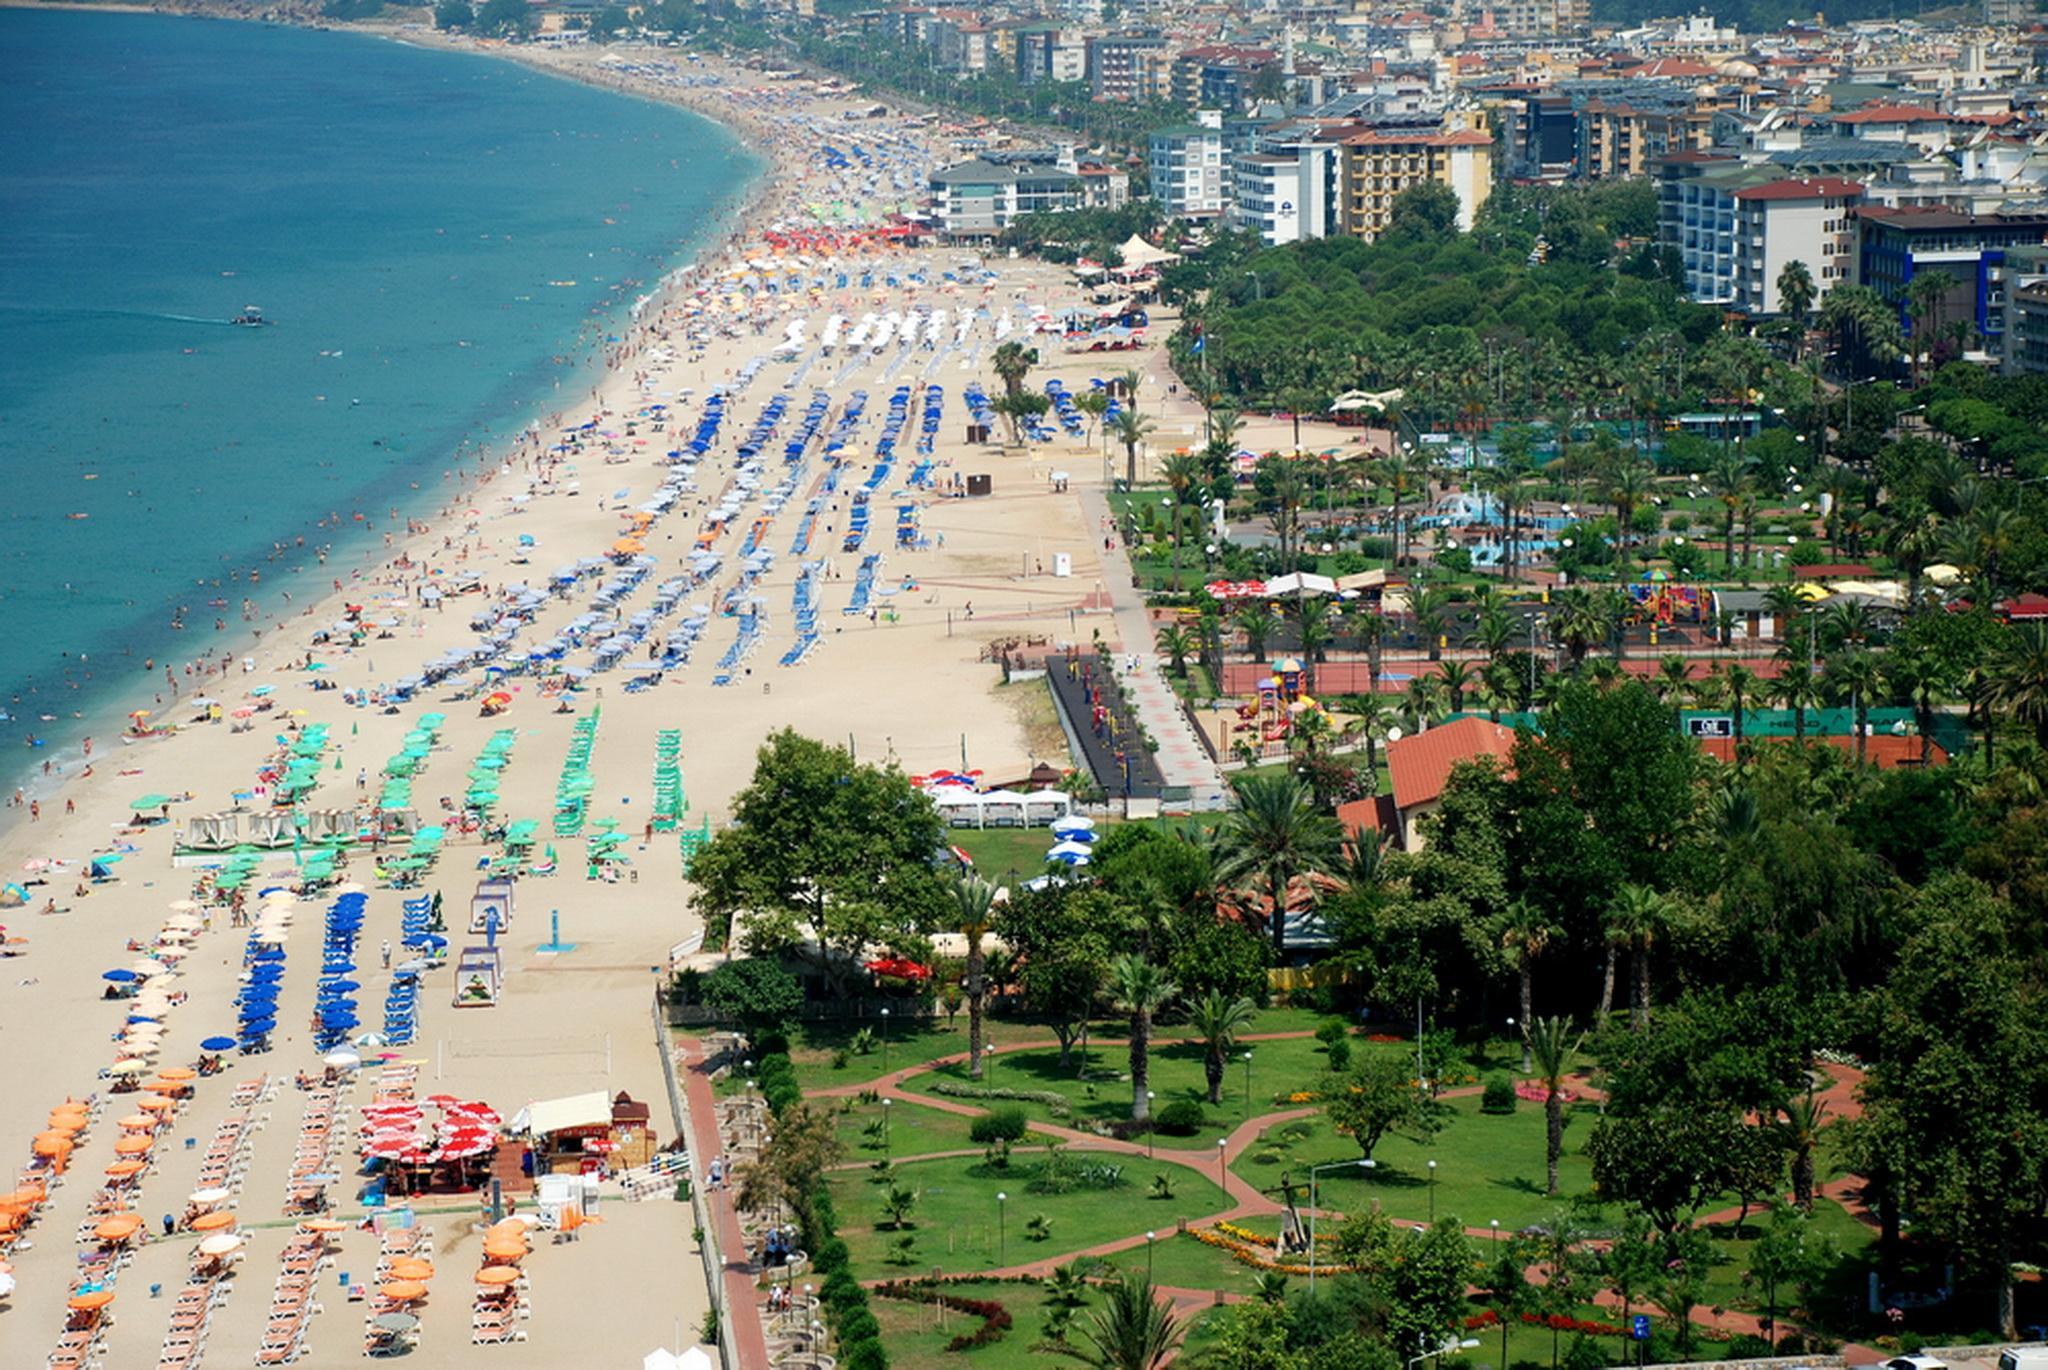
x,y
250,317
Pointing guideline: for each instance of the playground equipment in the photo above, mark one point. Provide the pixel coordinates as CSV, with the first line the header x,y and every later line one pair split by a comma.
x,y
1279,701
1656,598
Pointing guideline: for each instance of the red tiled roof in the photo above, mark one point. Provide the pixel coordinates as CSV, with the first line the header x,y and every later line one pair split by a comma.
x,y
1818,188
1374,814
1422,764
1668,67
1886,751
1891,114
2027,606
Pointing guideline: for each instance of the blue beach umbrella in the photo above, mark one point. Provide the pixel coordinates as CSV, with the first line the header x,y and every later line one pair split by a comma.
x,y
119,977
260,1027
217,1044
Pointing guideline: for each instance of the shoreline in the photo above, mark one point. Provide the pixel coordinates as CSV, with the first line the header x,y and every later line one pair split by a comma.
x,y
461,470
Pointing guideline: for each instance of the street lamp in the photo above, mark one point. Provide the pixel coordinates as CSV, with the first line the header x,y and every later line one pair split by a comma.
x,y
1002,1244
1432,1191
1149,1097
1247,1083
1222,1156
1150,1237
1314,1171
885,1039
885,1126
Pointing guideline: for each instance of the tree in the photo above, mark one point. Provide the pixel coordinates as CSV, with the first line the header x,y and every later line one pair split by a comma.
x,y
803,1145
1370,1099
1524,935
755,991
971,915
824,858
1131,429
453,16
1019,409
1795,296
1642,917
1630,1266
1059,940
2017,679
1789,1255
1689,1259
1178,644
1805,1116
504,18
1013,362
1131,1331
898,1203
1275,836
1255,620
609,22
1553,1044
1425,210
1182,473
1925,295
1218,1019
1141,989
1859,678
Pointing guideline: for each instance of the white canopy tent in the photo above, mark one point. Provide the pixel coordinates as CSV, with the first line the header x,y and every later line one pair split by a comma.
x,y
1001,808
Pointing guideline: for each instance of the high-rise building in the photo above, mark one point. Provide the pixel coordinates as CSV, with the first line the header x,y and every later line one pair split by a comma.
x,y
1381,163
1189,175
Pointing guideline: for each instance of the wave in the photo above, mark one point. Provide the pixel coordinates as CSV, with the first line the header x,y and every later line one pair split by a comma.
x,y
107,312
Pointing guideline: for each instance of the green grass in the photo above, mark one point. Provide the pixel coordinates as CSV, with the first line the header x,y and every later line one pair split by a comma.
x,y
1103,1095
913,1130
998,851
911,1041
956,1219
916,1335
1488,1167
1182,1262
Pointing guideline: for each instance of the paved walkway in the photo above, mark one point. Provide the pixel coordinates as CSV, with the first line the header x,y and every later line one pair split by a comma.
x,y
1182,759
739,1293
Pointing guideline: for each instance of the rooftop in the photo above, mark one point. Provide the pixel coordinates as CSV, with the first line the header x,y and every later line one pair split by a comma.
x,y
1421,765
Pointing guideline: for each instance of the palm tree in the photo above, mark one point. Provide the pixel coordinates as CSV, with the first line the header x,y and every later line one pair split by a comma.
x,y
1493,632
1131,1331
1580,621
973,900
1805,1115
1141,989
1925,294
1921,679
1013,362
1312,621
2017,680
1732,482
1552,1042
1275,835
1431,605
1218,1019
1183,475
1400,476
1131,429
1857,677
1795,296
1743,685
1178,644
1626,487
1796,690
1640,916
1524,935
1454,677
1255,620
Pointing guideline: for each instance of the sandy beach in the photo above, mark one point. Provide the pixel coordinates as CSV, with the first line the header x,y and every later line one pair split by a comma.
x,y
903,678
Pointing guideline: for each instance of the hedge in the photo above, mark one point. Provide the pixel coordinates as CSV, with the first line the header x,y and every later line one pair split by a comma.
x,y
1057,1103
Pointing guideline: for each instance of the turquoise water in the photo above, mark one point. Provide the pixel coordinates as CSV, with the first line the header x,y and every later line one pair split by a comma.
x,y
409,219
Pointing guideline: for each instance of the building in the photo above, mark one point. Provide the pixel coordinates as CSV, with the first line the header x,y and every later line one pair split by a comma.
x,y
1895,244
1044,53
979,199
1127,69
1926,129
1286,187
1541,18
1696,215
1189,175
1381,163
2026,312
1622,139
1420,767
1217,77
1785,221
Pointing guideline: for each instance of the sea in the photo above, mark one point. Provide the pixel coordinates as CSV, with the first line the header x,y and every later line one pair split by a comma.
x,y
441,243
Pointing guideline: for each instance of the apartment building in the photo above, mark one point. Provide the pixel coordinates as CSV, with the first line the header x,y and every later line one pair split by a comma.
x,y
1623,138
1127,69
1217,77
979,199
1044,53
2026,312
1286,185
1894,244
1785,221
1190,176
1381,163
1541,18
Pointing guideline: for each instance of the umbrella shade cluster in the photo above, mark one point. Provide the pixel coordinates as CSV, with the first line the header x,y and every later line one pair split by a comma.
x,y
301,775
402,999
397,1131
482,794
572,789
669,802
411,758
335,1009
256,1004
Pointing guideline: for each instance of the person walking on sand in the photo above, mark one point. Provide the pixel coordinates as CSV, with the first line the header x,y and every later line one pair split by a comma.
x,y
385,952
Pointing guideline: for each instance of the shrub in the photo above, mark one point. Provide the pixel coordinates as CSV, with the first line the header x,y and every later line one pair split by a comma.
x,y
831,1255
859,1325
959,1089
864,1355
998,1125
1181,1118
1499,1096
1746,1347
1340,1054
1332,1030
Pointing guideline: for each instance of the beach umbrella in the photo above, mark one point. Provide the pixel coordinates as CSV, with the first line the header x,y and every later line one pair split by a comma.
x,y
394,1322
403,1291
218,1044
91,1301
215,1221
157,1103
220,1244
137,1122
118,1228
497,1275
124,1169
211,1195
411,1268
328,1225
180,1073
119,977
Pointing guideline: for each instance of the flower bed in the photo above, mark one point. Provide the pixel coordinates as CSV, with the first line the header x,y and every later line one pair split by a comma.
x,y
995,1319
1254,1253
1537,1094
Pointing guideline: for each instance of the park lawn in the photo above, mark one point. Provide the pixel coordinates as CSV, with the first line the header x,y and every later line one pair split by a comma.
x,y
996,852
1489,1167
956,1218
912,1041
913,1130
1181,1262
1855,1244
1103,1094
916,1335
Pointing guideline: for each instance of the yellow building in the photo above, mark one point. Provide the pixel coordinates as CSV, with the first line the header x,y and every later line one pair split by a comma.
x,y
1380,164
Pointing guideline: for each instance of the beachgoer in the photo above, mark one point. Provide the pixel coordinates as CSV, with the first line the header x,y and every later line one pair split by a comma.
x,y
385,951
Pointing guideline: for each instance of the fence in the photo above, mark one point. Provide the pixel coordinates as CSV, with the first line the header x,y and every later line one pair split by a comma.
x,y
700,1213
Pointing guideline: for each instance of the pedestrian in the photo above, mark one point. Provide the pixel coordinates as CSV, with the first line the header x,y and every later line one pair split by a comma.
x,y
170,1224
385,951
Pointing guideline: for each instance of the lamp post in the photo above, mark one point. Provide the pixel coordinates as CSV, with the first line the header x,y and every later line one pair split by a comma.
x,y
1247,1083
1314,1171
885,1126
1149,1097
885,1039
1432,1192
1150,1237
1002,1244
1222,1163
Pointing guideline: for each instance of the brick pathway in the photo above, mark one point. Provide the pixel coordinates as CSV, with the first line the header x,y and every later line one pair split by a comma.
x,y
739,1293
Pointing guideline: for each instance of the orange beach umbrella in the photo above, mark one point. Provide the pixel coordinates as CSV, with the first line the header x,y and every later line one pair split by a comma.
x,y
411,1268
135,1144
213,1222
118,1228
404,1291
86,1303
123,1168
497,1275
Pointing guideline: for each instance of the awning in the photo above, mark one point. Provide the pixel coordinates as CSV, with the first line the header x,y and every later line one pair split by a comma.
x,y
555,1115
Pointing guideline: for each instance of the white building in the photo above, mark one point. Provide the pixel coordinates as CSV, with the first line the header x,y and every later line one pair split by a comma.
x,y
1189,174
1793,221
1285,190
980,199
